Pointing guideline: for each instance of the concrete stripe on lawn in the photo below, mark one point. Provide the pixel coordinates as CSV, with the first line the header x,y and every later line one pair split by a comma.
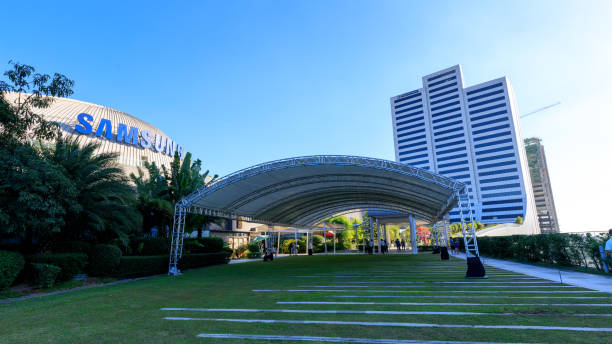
x,y
422,284
475,297
431,291
442,303
318,311
398,324
337,339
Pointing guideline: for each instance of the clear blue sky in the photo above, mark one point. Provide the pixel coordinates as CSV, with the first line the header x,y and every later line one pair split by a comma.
x,y
243,82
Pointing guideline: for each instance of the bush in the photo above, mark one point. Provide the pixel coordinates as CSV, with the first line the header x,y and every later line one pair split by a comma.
x,y
104,259
150,246
241,251
317,243
45,274
556,248
70,263
191,261
11,263
72,246
212,244
139,266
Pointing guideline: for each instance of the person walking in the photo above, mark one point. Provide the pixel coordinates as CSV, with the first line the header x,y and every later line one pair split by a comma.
x,y
397,244
403,245
291,249
370,246
452,247
456,246
383,246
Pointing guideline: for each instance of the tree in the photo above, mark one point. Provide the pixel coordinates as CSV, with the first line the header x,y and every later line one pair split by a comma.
x,y
105,199
158,194
18,120
35,194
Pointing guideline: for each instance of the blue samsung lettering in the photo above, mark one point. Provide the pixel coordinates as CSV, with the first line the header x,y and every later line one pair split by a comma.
x,y
84,127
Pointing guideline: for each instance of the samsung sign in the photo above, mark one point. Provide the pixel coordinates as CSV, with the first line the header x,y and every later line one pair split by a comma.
x,y
131,136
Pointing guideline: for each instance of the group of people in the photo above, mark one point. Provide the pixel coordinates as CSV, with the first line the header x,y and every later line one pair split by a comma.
x,y
384,246
454,246
293,249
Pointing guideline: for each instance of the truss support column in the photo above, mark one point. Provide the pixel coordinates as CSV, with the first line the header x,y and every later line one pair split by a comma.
x,y
324,238
297,248
413,235
475,269
356,239
277,242
446,234
378,235
371,236
176,245
334,241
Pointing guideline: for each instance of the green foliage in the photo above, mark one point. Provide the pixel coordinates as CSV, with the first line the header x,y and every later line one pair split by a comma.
x,y
204,245
44,275
150,246
11,264
519,220
159,192
284,248
191,261
19,122
71,246
104,259
139,266
105,197
70,263
317,243
241,251
253,250
558,248
35,195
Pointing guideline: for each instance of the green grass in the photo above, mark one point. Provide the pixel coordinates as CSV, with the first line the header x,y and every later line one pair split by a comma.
x,y
130,312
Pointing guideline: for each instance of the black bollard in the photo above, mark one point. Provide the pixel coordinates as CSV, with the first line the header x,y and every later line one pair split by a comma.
x,y
444,253
475,268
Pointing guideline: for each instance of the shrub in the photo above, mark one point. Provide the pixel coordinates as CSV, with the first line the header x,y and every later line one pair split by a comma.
x,y
71,246
45,274
317,243
104,259
285,245
518,220
11,263
70,263
191,261
139,266
150,246
212,244
241,251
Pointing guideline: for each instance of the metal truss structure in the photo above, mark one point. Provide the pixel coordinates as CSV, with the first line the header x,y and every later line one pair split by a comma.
x,y
300,192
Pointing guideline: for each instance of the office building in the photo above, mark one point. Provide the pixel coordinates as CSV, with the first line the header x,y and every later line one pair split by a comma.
x,y
471,134
542,190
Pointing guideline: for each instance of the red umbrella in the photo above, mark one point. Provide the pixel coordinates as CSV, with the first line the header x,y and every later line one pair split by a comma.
x,y
329,234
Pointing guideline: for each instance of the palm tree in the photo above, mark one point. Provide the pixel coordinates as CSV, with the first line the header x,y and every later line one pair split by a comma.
x,y
105,198
158,194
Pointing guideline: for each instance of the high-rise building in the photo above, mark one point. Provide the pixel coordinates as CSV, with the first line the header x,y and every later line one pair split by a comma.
x,y
472,135
542,190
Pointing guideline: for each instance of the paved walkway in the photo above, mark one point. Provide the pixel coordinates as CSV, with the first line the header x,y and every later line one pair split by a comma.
x,y
579,279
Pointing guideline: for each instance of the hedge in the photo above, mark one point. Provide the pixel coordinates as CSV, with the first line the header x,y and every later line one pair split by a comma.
x,y
559,248
197,260
45,274
70,263
150,246
104,259
72,247
11,263
139,266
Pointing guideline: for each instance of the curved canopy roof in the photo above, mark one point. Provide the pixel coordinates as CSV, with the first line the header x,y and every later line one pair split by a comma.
x,y
302,191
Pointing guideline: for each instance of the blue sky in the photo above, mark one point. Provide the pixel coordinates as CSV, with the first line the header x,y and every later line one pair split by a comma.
x,y
243,82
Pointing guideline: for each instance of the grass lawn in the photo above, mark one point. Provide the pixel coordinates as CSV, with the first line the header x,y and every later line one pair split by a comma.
x,y
131,312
